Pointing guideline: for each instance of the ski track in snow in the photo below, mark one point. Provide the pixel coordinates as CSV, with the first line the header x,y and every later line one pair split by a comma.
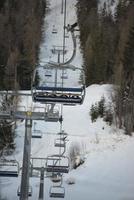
x,y
108,170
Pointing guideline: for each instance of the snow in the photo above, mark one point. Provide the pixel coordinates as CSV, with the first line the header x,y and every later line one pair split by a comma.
x,y
107,172
108,169
110,5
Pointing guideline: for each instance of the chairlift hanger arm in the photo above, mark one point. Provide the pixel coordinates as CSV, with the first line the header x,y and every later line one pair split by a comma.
x,y
62,66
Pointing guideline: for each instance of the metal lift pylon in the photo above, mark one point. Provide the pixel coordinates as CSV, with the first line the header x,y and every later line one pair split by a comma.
x,y
24,189
41,190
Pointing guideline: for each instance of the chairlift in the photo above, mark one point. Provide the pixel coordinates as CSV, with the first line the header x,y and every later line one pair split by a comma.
x,y
57,164
66,35
58,50
63,133
54,30
59,142
37,134
52,114
9,168
69,91
48,73
57,192
29,191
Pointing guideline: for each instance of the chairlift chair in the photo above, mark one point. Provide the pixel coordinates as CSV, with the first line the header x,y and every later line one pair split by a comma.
x,y
37,134
58,90
48,73
9,168
54,30
57,164
66,35
57,192
59,142
52,115
64,75
63,133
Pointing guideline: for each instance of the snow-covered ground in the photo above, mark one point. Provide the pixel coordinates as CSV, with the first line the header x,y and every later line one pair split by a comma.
x,y
108,169
109,162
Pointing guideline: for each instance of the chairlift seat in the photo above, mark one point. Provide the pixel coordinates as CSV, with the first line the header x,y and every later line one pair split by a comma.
x,y
66,36
64,101
57,169
48,73
37,136
9,168
50,119
57,192
54,31
57,164
62,133
9,173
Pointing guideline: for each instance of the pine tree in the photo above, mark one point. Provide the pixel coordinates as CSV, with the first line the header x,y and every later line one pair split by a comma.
x,y
129,53
101,107
94,112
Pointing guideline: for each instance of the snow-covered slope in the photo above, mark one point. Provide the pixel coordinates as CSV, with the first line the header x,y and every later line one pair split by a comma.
x,y
108,169
55,20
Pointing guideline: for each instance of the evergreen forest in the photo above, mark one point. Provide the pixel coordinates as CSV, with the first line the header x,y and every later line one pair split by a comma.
x,y
107,41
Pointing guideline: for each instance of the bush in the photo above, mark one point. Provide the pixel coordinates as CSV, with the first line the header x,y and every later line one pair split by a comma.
x,y
101,107
108,117
6,138
94,112
74,155
100,110
97,110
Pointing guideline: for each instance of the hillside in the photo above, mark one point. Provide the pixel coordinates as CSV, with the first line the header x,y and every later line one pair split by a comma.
x,y
106,171
107,35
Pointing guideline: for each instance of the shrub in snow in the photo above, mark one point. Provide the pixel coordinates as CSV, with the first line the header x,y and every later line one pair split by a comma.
x,y
101,107
100,110
74,151
94,112
108,117
78,161
74,154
